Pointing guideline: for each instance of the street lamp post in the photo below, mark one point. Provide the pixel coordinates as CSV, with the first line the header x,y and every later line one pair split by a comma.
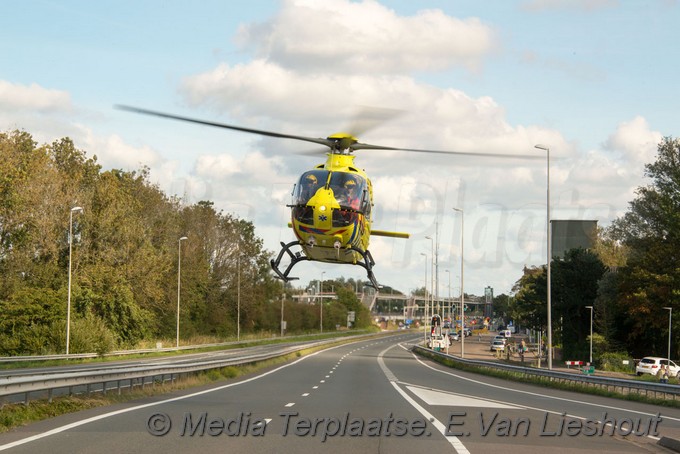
x,y
449,300
321,302
432,292
670,314
179,268
462,292
426,305
283,297
70,252
549,248
591,333
238,291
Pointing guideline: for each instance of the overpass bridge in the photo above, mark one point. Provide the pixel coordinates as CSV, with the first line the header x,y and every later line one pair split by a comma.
x,y
415,307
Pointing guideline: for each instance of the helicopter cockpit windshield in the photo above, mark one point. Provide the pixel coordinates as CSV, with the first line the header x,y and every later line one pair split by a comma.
x,y
309,183
349,190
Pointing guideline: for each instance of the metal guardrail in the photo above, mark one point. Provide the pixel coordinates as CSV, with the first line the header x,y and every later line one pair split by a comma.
x,y
27,384
130,376
624,386
11,359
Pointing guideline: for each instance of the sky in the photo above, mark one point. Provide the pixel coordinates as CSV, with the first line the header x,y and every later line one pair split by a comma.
x,y
595,81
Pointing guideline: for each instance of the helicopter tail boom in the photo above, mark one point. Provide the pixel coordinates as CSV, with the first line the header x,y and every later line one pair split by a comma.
x,y
390,234
403,235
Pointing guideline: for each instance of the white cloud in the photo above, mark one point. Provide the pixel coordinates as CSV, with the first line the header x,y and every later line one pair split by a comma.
x,y
432,118
113,152
577,5
635,141
366,36
33,97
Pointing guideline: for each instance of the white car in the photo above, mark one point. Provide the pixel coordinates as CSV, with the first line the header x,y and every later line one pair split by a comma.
x,y
652,365
500,338
497,345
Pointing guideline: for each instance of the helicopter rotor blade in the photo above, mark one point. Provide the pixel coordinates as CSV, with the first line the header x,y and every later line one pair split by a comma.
x,y
326,142
367,118
365,146
375,116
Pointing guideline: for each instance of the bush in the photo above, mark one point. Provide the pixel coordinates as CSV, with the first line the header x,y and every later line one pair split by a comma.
x,y
89,334
613,361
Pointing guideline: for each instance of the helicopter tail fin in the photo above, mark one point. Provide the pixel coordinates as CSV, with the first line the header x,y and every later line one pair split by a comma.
x,y
390,234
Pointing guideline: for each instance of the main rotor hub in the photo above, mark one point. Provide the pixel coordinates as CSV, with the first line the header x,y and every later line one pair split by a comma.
x,y
342,142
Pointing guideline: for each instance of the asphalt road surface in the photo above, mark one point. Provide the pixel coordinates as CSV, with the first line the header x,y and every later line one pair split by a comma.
x,y
366,397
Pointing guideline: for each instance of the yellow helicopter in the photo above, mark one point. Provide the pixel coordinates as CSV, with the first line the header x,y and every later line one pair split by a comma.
x,y
332,203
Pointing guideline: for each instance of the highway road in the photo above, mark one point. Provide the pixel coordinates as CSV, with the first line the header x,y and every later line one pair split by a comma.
x,y
369,396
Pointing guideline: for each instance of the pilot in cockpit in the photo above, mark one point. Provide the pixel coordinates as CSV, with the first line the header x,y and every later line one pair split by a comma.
x,y
352,198
309,186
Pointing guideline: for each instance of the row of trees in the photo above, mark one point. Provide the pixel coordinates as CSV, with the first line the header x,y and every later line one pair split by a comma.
x,y
126,246
630,277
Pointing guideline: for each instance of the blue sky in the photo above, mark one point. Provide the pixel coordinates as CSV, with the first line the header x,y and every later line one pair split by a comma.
x,y
595,80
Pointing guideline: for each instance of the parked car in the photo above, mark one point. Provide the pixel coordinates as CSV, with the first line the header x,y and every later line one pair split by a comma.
x,y
467,332
500,338
497,345
652,365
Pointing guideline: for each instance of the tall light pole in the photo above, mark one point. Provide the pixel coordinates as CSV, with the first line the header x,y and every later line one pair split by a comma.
x,y
670,314
591,333
432,268
548,247
179,269
70,251
425,287
238,291
321,302
462,292
449,300
283,297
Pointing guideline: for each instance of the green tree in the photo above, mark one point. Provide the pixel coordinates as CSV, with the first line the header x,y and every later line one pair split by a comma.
x,y
347,298
124,262
650,230
528,308
574,286
501,306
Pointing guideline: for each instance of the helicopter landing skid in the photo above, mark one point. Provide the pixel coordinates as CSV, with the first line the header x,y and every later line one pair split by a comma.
x,y
367,264
294,258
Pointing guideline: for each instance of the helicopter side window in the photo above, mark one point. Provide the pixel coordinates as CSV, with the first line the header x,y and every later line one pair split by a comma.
x,y
309,183
366,200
